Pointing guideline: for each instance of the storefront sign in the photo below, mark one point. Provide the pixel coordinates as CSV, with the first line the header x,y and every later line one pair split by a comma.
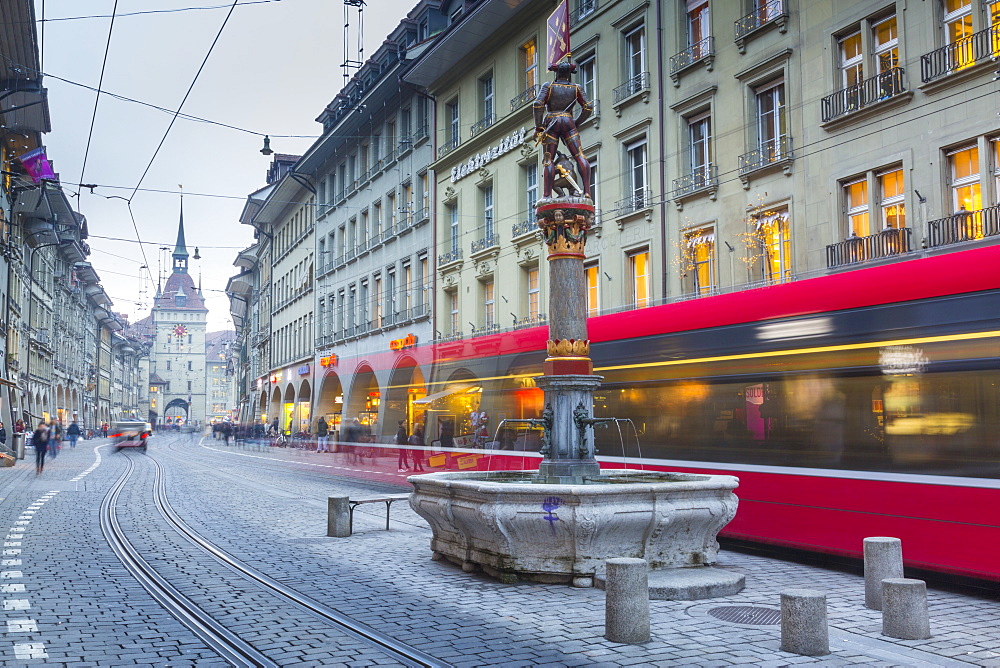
x,y
329,360
509,143
408,342
303,370
276,377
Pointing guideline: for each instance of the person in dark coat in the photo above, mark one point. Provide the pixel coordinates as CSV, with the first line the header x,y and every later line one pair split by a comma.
x,y
401,440
3,434
73,433
40,439
417,454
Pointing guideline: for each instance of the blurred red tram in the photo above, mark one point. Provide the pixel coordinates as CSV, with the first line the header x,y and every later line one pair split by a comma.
x,y
865,403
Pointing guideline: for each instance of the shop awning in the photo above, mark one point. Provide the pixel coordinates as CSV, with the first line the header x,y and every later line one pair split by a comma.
x,y
455,389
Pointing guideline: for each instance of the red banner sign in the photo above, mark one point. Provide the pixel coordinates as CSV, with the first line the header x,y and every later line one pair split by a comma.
x,y
558,33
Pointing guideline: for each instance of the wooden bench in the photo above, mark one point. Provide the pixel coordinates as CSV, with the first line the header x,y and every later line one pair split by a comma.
x,y
386,499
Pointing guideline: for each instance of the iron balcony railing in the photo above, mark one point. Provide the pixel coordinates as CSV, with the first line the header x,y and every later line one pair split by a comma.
x,y
422,214
530,321
702,178
964,226
522,228
882,86
760,17
887,243
449,257
638,200
960,54
421,133
770,151
482,124
488,241
448,147
636,84
692,54
523,98
584,8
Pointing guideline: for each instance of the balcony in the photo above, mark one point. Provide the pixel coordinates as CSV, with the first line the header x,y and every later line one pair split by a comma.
x,y
482,124
449,146
487,242
524,227
584,8
637,201
637,84
964,226
450,257
879,88
530,321
982,46
703,178
887,243
420,134
703,51
773,13
776,151
422,214
523,98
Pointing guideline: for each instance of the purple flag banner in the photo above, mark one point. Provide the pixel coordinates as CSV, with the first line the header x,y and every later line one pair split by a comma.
x,y
558,33
37,165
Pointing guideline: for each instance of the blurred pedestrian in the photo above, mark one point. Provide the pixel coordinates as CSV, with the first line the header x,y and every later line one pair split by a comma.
x,y
417,453
104,430
401,440
322,435
3,434
19,427
55,438
227,431
40,439
73,433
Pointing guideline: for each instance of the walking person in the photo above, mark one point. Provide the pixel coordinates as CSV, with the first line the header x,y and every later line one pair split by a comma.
x,y
417,454
3,434
55,438
73,433
401,440
40,439
322,435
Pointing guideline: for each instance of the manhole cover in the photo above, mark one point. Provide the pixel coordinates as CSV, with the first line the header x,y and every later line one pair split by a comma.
x,y
747,614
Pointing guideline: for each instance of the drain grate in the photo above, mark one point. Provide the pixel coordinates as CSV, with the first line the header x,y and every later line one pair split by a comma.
x,y
747,614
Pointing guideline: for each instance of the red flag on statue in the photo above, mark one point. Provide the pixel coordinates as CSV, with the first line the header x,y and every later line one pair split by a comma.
x,y
558,33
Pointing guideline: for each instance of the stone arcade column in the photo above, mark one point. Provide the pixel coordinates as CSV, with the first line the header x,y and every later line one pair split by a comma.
x,y
569,382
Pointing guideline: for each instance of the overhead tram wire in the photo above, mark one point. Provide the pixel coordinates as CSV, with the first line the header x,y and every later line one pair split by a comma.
x,y
97,99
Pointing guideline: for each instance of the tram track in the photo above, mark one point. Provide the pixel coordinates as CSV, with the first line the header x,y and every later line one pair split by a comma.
x,y
230,646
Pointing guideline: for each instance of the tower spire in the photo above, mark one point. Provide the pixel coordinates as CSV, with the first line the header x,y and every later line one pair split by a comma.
x,y
180,251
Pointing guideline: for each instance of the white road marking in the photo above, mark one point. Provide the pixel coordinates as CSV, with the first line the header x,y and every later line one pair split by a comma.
x,y
12,588
22,626
16,604
30,650
8,575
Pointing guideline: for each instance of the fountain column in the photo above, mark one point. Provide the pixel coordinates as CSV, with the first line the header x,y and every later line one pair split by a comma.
x,y
568,380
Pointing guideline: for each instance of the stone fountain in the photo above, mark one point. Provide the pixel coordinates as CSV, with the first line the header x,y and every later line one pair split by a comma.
x,y
563,521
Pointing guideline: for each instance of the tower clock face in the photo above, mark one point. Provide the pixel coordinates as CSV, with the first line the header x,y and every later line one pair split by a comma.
x,y
180,330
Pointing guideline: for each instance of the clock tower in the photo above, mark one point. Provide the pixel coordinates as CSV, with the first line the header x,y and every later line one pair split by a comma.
x,y
178,353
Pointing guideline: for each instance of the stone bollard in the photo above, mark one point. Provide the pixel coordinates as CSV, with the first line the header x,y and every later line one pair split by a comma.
x,y
904,609
626,606
883,559
338,517
804,629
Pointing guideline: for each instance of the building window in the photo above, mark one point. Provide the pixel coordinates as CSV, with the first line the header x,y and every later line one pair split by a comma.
x,y
531,186
856,197
885,38
407,291
453,310
893,190
852,66
635,52
425,282
486,96
771,121
772,233
593,177
377,303
533,293
699,250
593,274
390,295
638,266
698,26
390,207
529,63
376,219
700,143
454,131
453,224
587,76
965,185
489,310
958,28
636,177
488,211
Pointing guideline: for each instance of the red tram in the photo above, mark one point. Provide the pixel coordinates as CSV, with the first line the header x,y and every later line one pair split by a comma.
x,y
865,403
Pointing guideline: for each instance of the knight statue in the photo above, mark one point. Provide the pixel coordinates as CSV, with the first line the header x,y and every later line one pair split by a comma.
x,y
554,121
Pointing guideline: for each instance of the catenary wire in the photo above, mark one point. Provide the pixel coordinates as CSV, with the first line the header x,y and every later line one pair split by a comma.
x,y
97,98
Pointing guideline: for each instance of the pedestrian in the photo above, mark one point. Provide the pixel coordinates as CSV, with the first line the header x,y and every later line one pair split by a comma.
x,y
19,427
352,436
3,434
274,427
104,429
401,440
73,433
417,453
55,438
322,435
227,431
40,439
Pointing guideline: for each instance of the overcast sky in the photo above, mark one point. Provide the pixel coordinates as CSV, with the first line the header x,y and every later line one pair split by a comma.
x,y
274,68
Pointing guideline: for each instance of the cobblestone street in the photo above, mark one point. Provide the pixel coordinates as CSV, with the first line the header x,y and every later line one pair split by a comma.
x,y
67,599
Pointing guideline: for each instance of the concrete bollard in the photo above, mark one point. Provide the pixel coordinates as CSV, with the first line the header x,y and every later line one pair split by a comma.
x,y
804,629
338,517
904,609
626,607
883,559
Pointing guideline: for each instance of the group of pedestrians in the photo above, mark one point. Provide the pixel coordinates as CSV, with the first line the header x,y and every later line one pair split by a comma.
x,y
48,438
416,454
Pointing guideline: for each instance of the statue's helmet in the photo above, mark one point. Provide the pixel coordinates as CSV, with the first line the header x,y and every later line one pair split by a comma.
x,y
563,68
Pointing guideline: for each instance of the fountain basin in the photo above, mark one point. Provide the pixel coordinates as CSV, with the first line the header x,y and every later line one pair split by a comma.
x,y
513,528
